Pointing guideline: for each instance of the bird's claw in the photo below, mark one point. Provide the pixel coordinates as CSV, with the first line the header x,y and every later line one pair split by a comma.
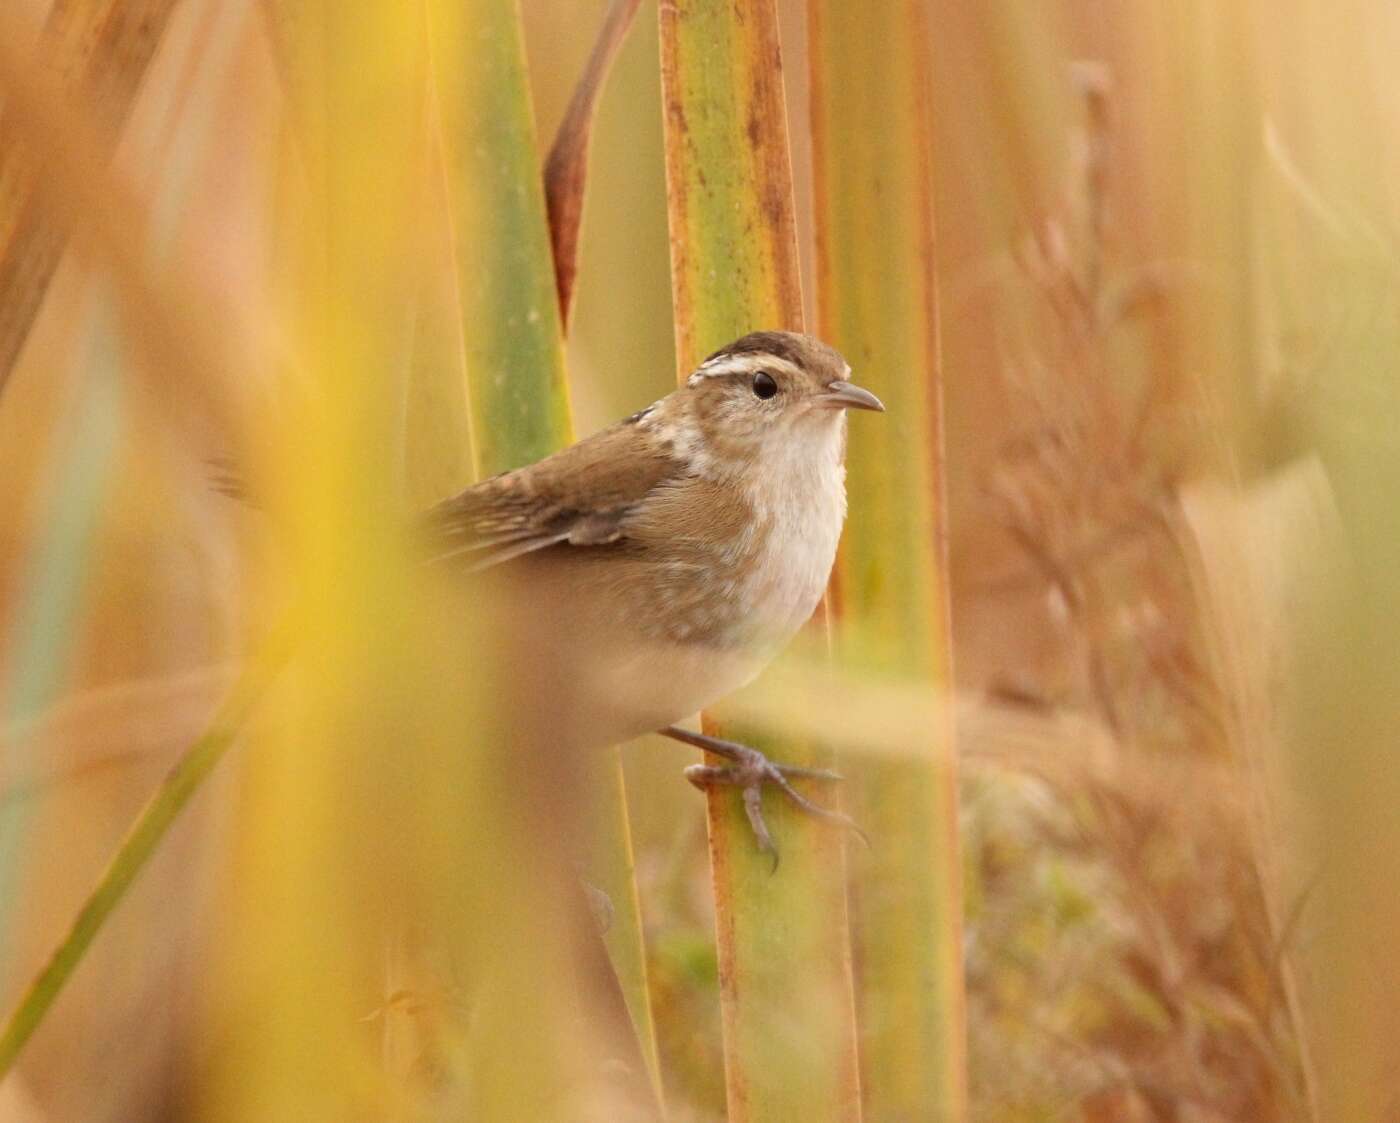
x,y
750,771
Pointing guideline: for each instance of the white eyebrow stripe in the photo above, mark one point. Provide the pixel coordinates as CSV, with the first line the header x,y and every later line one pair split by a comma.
x,y
746,363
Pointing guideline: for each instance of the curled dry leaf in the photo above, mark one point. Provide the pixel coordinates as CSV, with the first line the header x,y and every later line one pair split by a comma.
x,y
566,170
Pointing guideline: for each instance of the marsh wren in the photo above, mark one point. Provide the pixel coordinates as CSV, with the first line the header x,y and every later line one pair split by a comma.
x,y
664,561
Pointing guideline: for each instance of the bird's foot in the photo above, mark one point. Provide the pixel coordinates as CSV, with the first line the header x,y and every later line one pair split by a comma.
x,y
750,771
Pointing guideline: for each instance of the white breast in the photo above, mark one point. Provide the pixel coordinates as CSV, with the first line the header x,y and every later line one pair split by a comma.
x,y
638,677
799,506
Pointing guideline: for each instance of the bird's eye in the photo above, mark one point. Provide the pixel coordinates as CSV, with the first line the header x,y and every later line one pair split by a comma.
x,y
764,385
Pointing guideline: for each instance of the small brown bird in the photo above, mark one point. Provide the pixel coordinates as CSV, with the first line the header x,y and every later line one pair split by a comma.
x,y
660,564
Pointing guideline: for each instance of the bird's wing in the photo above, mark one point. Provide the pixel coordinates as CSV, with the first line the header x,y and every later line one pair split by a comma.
x,y
582,496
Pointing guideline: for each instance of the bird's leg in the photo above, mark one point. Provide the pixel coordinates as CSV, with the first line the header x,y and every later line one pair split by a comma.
x,y
749,771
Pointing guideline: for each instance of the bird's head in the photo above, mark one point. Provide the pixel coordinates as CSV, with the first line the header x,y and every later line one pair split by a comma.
x,y
770,392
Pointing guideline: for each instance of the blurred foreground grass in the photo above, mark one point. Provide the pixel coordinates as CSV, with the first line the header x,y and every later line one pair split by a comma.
x,y
1166,252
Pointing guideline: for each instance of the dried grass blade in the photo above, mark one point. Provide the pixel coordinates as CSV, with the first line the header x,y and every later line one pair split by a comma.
x,y
100,53
186,366
566,169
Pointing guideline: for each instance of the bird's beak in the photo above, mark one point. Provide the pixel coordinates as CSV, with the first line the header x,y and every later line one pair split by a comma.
x,y
847,395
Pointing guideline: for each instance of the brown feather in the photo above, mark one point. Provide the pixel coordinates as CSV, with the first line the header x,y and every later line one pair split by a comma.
x,y
581,496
